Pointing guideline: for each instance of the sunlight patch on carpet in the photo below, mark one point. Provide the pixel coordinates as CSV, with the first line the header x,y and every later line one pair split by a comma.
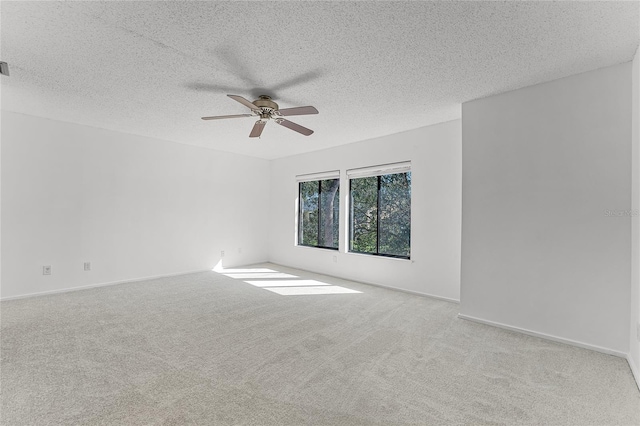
x,y
287,283
310,290
282,283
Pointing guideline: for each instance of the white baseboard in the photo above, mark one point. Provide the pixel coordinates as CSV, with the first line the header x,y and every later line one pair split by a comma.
x,y
415,293
87,287
634,370
546,336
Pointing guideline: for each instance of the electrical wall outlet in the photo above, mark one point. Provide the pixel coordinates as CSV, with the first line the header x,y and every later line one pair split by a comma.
x,y
222,253
239,250
46,270
638,331
87,266
335,259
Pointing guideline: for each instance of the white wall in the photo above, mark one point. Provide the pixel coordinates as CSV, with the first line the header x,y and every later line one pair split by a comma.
x,y
435,157
132,206
541,166
634,323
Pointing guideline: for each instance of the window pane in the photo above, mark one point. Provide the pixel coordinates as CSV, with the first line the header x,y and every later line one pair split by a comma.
x,y
318,221
330,207
395,214
364,201
308,222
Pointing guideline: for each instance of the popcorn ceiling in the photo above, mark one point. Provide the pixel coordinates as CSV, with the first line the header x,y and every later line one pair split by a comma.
x,y
371,68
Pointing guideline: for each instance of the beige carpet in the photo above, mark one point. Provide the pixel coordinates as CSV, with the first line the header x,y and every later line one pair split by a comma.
x,y
249,348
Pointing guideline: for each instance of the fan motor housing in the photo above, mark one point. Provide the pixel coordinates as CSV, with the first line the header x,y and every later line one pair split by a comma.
x,y
266,102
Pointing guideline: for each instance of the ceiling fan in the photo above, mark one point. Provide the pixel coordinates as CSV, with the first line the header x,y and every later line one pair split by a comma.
x,y
266,110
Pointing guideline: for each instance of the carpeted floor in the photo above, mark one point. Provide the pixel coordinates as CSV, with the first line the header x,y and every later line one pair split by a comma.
x,y
288,348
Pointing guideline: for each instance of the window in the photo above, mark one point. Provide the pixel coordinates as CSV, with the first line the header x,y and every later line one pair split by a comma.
x,y
319,212
380,216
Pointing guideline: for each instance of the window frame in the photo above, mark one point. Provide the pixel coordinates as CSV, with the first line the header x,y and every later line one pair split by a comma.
x,y
377,172
319,181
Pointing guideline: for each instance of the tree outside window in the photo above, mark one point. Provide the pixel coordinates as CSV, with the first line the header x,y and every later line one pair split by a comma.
x,y
319,212
380,219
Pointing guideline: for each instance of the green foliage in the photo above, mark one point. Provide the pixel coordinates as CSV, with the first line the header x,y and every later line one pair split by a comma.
x,y
381,214
319,213
395,214
308,226
329,212
364,214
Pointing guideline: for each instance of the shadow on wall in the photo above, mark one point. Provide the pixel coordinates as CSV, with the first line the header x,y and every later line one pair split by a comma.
x,y
280,282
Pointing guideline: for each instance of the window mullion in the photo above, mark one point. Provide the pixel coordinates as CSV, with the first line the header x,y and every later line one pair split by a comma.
x,y
319,209
378,219
300,224
350,201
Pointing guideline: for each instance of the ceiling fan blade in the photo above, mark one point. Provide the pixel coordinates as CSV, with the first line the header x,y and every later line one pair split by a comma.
x,y
221,117
243,101
305,110
293,126
257,129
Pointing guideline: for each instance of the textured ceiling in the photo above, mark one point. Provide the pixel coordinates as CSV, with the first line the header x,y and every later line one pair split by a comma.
x,y
370,68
